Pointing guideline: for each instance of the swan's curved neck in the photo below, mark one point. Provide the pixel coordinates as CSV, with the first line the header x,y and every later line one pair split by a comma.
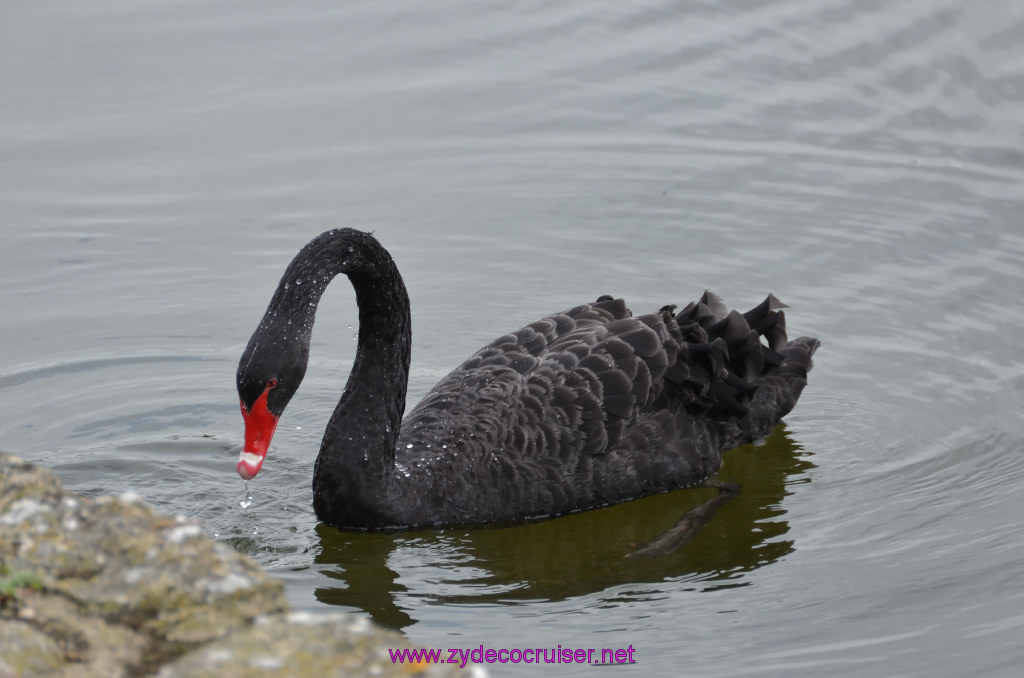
x,y
357,455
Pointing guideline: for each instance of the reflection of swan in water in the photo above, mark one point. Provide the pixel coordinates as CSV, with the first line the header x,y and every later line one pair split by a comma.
x,y
577,555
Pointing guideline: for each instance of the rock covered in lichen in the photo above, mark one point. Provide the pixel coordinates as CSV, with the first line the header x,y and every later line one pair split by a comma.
x,y
120,590
115,558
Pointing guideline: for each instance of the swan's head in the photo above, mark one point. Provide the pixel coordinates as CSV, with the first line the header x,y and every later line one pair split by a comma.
x,y
268,375
274,362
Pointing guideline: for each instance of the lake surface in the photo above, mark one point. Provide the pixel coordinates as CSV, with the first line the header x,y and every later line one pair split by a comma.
x,y
160,163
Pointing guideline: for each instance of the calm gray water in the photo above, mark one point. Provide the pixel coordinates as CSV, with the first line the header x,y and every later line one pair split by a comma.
x,y
161,162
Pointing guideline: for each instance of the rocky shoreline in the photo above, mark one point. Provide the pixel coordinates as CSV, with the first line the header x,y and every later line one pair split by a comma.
x,y
108,587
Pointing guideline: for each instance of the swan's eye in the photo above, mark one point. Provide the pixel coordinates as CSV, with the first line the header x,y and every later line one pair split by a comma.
x,y
271,383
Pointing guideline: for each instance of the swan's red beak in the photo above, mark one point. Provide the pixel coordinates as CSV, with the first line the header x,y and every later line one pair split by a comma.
x,y
260,425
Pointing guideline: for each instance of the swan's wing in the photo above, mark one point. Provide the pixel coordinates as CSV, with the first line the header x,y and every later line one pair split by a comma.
x,y
595,368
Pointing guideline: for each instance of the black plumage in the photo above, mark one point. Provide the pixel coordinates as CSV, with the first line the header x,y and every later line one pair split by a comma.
x,y
577,410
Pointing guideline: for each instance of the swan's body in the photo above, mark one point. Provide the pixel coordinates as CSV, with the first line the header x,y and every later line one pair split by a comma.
x,y
577,410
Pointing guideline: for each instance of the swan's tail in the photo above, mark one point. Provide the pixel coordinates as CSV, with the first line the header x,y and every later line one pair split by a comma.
x,y
739,364
797,357
779,389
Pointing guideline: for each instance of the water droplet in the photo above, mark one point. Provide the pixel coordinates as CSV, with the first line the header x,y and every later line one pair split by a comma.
x,y
298,281
409,446
255,530
247,502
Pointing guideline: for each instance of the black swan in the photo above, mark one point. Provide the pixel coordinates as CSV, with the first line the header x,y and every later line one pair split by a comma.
x,y
578,410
